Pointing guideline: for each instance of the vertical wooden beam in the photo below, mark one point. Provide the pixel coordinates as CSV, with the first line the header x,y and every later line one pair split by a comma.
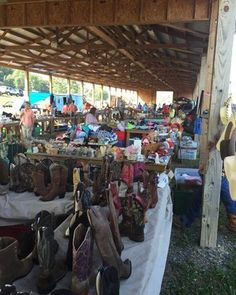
x,y
50,84
109,96
101,96
27,90
93,94
68,86
222,29
82,86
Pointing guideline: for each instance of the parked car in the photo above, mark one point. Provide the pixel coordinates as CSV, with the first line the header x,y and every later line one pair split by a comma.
x,y
10,91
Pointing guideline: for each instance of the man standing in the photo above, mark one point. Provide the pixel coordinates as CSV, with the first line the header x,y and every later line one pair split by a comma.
x,y
27,122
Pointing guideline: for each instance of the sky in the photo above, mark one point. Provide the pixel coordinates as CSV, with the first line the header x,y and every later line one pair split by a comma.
x,y
232,86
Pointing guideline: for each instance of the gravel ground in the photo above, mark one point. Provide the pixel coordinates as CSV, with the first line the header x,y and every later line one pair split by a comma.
x,y
188,265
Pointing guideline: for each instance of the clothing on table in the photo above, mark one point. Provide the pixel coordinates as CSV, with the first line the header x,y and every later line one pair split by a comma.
x,y
91,119
27,118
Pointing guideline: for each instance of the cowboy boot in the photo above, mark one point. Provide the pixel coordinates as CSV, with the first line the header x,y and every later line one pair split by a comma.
x,y
55,172
11,267
232,222
115,197
39,184
152,192
114,223
50,270
77,219
63,181
105,243
82,260
4,172
133,221
43,219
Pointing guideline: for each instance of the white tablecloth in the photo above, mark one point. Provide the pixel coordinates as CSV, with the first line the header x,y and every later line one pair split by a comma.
x,y
148,257
26,205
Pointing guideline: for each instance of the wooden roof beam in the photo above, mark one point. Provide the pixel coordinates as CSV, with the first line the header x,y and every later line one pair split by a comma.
x,y
44,13
126,53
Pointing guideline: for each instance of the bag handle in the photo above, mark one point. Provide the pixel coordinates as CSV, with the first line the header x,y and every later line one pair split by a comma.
x,y
232,144
228,130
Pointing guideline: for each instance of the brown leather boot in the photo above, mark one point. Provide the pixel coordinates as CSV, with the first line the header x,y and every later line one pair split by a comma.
x,y
82,260
133,221
152,192
105,243
114,223
232,222
63,181
11,267
4,172
40,188
55,172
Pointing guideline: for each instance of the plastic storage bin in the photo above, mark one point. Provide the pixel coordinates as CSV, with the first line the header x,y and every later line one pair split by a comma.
x,y
180,172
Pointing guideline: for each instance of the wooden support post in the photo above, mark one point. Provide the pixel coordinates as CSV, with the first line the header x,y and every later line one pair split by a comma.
x,y
50,84
109,96
222,29
68,87
102,96
82,85
93,94
27,90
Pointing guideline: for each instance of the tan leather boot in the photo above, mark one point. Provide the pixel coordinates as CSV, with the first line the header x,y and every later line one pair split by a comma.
x,y
232,222
11,267
63,181
55,173
40,188
105,243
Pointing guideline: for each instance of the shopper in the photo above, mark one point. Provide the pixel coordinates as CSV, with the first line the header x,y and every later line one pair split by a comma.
x,y
91,116
72,107
27,122
65,109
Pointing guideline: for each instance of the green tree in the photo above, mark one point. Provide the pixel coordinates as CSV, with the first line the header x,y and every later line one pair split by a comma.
x,y
59,85
4,72
38,84
16,79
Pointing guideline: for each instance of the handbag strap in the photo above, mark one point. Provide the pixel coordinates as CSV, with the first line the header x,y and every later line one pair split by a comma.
x,y
232,143
228,130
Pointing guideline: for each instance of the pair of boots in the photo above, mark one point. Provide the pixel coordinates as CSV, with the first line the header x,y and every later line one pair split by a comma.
x,y
103,228
57,187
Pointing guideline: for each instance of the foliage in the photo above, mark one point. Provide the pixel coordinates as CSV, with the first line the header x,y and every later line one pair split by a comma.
x,y
38,84
4,72
16,79
59,85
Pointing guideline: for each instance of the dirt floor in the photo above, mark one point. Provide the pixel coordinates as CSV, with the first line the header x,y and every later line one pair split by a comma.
x,y
191,270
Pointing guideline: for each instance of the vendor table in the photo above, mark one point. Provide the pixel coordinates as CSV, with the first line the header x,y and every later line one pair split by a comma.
x,y
148,258
150,166
143,132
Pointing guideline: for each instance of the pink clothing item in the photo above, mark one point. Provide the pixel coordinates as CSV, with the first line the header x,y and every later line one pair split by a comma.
x,y
72,108
65,109
91,119
27,118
